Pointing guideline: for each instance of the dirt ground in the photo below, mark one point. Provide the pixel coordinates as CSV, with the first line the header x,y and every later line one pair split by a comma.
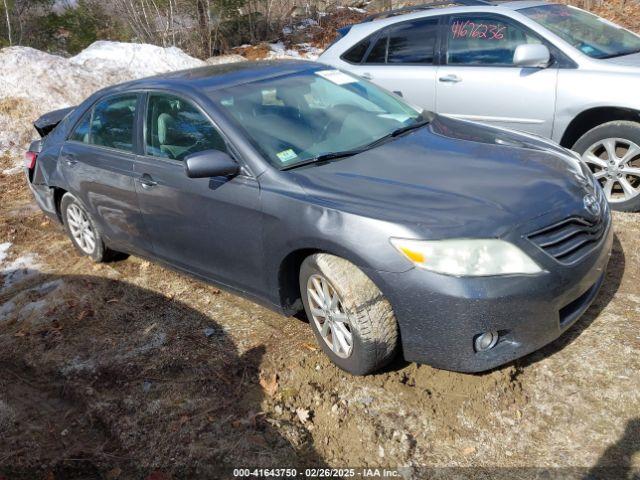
x,y
130,370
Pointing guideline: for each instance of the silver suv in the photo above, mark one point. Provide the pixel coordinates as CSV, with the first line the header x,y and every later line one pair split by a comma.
x,y
548,69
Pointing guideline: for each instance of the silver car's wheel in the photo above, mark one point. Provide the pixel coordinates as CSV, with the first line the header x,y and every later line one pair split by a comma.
x,y
329,315
81,229
615,162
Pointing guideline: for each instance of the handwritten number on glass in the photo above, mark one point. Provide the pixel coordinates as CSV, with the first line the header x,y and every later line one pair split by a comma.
x,y
471,29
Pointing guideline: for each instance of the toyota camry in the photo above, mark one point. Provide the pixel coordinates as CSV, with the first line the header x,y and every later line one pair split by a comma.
x,y
303,187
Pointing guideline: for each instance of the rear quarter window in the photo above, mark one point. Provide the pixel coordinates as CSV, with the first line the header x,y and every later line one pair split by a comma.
x,y
411,42
356,53
81,132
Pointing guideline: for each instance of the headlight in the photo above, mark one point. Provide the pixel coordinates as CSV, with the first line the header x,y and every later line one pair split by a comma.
x,y
467,257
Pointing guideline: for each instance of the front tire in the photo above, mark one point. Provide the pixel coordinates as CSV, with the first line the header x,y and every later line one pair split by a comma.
x,y
82,229
351,319
612,152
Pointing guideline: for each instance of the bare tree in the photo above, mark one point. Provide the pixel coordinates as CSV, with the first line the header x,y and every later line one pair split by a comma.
x,y
6,11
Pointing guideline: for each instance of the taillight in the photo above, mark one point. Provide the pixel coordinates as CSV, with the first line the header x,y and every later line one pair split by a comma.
x,y
30,160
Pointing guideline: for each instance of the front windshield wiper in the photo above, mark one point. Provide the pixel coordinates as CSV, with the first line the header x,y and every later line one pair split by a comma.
x,y
320,159
325,157
420,123
398,131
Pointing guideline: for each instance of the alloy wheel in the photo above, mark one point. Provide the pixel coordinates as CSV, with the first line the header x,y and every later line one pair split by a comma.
x,y
81,229
615,162
329,315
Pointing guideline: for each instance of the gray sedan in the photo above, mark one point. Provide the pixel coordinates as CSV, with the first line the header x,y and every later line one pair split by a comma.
x,y
303,187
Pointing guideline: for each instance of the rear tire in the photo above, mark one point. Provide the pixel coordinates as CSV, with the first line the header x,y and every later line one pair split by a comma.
x,y
82,229
360,314
625,138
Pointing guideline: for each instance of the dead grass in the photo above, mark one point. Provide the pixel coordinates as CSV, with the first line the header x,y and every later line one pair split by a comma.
x,y
15,107
253,52
325,32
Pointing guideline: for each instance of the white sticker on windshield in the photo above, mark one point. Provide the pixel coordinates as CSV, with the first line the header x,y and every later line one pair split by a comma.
x,y
287,155
336,76
399,117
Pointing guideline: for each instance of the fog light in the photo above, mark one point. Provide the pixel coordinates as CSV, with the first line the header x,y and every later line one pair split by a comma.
x,y
485,341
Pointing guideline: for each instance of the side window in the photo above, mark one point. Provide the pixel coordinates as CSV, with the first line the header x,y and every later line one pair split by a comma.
x,y
175,128
413,42
355,53
408,42
378,53
81,133
481,40
112,123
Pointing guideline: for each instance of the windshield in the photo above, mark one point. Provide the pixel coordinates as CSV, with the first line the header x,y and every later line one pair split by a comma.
x,y
299,117
592,35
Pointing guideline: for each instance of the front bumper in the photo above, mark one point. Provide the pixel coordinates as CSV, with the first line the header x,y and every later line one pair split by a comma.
x,y
439,315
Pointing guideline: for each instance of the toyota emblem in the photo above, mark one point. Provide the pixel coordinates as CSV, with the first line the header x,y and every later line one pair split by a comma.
x,y
591,205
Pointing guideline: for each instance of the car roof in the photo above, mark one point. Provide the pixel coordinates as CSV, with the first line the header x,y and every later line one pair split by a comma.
x,y
225,75
519,5
445,8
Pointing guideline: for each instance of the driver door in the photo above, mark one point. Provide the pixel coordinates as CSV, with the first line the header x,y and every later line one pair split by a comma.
x,y
480,82
208,226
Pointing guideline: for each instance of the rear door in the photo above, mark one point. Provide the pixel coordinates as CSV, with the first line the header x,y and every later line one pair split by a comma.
x,y
402,59
478,80
98,158
209,226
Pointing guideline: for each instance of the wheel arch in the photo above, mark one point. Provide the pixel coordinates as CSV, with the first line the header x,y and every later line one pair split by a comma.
x,y
58,193
591,118
288,273
288,278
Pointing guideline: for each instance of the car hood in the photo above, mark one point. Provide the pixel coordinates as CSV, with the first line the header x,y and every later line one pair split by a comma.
x,y
453,177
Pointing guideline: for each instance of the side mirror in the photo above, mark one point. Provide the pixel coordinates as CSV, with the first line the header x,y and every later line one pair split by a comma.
x,y
210,163
532,55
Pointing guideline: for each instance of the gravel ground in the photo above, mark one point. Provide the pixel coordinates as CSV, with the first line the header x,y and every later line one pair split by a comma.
x,y
130,370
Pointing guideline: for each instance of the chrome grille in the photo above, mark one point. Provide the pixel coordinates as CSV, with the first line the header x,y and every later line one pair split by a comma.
x,y
569,240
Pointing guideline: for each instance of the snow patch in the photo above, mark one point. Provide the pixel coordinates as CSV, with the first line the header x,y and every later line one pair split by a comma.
x,y
78,366
13,170
34,82
4,249
46,299
301,25
232,58
52,82
18,270
32,307
6,309
48,81
133,60
48,287
302,51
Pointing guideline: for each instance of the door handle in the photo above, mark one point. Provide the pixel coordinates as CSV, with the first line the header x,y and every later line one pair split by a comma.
x,y
70,160
147,182
367,76
450,79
